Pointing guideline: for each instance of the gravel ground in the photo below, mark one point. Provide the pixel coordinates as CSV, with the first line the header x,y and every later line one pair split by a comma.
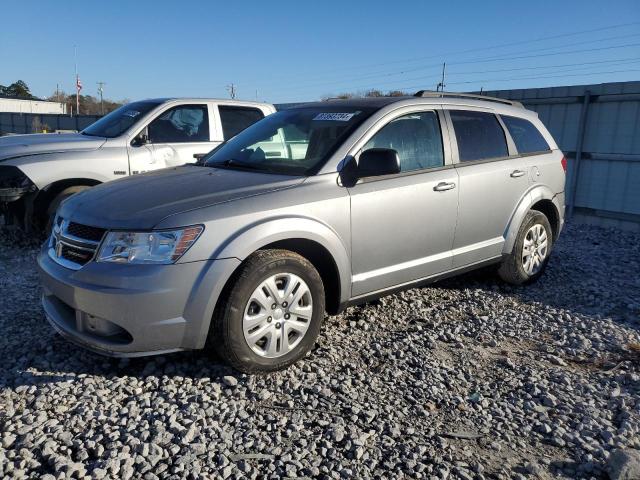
x,y
466,379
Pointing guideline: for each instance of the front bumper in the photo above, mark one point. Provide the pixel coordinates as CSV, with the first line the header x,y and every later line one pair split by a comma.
x,y
133,310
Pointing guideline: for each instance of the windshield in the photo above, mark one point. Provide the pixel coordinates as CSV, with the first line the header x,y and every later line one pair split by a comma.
x,y
290,142
119,121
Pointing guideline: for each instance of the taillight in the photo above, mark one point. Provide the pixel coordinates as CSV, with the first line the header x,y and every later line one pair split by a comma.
x,y
564,164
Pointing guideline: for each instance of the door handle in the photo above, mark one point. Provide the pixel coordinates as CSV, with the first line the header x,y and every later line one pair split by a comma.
x,y
444,186
517,173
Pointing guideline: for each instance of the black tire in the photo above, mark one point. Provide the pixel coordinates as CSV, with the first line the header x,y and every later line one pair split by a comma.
x,y
55,203
511,269
226,334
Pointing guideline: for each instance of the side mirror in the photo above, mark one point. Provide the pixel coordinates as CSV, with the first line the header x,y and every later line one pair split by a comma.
x,y
141,139
378,161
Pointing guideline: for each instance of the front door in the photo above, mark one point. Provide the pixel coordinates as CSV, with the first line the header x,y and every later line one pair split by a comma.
x,y
177,136
402,225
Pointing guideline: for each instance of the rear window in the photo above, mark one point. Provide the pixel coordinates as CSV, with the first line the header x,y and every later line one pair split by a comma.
x,y
526,136
236,119
479,135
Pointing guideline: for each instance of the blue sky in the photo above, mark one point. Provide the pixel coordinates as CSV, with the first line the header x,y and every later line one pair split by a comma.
x,y
303,50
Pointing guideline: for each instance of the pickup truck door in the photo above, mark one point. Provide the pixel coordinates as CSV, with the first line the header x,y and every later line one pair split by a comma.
x,y
177,136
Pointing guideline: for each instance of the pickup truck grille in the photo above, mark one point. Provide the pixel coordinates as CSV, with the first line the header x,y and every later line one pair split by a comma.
x,y
73,245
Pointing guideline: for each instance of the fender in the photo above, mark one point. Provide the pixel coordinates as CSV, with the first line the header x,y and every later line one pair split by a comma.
x,y
243,243
533,195
257,236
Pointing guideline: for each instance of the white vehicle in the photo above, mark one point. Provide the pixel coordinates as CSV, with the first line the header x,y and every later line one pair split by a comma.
x,y
37,172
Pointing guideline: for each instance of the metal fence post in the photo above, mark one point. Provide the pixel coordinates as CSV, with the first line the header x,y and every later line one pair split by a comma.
x,y
579,144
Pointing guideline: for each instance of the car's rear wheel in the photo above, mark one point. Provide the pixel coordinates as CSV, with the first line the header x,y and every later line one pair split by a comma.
x,y
270,315
530,254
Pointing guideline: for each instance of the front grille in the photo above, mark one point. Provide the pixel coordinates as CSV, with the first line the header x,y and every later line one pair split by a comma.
x,y
85,232
73,245
75,255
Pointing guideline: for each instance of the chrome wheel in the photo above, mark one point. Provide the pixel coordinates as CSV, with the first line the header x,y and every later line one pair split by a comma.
x,y
277,315
535,249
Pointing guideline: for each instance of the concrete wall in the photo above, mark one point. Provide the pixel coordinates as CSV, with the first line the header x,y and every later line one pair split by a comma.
x,y
31,106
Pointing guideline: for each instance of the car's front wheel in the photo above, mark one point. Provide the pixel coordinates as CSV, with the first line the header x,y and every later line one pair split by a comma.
x,y
270,315
530,254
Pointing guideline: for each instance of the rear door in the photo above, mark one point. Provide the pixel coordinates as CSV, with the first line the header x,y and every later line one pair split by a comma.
x,y
493,180
402,225
544,165
235,118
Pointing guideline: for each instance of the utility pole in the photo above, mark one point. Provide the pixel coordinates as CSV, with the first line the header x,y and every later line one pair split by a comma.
x,y
232,91
100,90
75,54
441,85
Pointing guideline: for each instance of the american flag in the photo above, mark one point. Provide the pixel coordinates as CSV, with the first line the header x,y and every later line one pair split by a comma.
x,y
78,83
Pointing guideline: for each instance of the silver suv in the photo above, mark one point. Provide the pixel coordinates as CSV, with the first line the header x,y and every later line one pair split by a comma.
x,y
309,210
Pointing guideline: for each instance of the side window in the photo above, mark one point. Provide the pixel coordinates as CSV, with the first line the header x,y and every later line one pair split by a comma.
x,y
479,135
185,123
236,119
417,139
526,136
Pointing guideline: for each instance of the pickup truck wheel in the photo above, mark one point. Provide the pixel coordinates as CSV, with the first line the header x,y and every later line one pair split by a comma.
x,y
271,313
57,200
530,254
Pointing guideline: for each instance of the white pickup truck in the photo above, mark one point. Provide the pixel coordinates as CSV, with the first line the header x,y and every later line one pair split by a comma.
x,y
38,171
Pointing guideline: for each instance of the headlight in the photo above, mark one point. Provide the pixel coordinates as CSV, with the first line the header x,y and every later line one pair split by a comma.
x,y
161,246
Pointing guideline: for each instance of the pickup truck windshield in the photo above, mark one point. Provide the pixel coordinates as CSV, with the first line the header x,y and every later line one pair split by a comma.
x,y
120,120
290,142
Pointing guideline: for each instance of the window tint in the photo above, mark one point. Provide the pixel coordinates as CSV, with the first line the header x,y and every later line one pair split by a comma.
x,y
417,139
526,137
186,123
479,135
236,119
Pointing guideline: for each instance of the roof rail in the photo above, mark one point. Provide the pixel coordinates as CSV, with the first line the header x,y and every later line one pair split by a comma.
x,y
434,94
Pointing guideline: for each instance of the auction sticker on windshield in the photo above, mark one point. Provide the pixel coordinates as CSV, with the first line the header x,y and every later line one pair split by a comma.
x,y
336,117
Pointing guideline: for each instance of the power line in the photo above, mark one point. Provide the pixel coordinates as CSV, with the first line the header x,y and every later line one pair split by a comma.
x,y
386,73
536,77
518,57
573,67
477,49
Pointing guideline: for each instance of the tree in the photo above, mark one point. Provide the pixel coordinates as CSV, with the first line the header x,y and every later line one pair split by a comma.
x,y
17,89
89,105
374,92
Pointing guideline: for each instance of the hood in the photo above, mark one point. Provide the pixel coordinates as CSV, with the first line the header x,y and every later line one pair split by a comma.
x,y
142,201
21,145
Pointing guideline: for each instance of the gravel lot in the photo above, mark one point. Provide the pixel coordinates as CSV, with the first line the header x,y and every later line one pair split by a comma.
x,y
466,379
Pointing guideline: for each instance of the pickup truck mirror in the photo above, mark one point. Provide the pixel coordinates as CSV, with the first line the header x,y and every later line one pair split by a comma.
x,y
378,161
141,139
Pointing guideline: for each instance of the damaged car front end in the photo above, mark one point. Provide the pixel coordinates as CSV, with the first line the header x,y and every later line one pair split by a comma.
x,y
17,193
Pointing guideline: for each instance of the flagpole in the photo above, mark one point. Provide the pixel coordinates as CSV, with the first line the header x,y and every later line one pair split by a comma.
x,y
75,53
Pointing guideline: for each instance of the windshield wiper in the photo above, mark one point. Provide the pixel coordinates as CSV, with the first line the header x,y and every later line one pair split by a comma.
x,y
238,164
